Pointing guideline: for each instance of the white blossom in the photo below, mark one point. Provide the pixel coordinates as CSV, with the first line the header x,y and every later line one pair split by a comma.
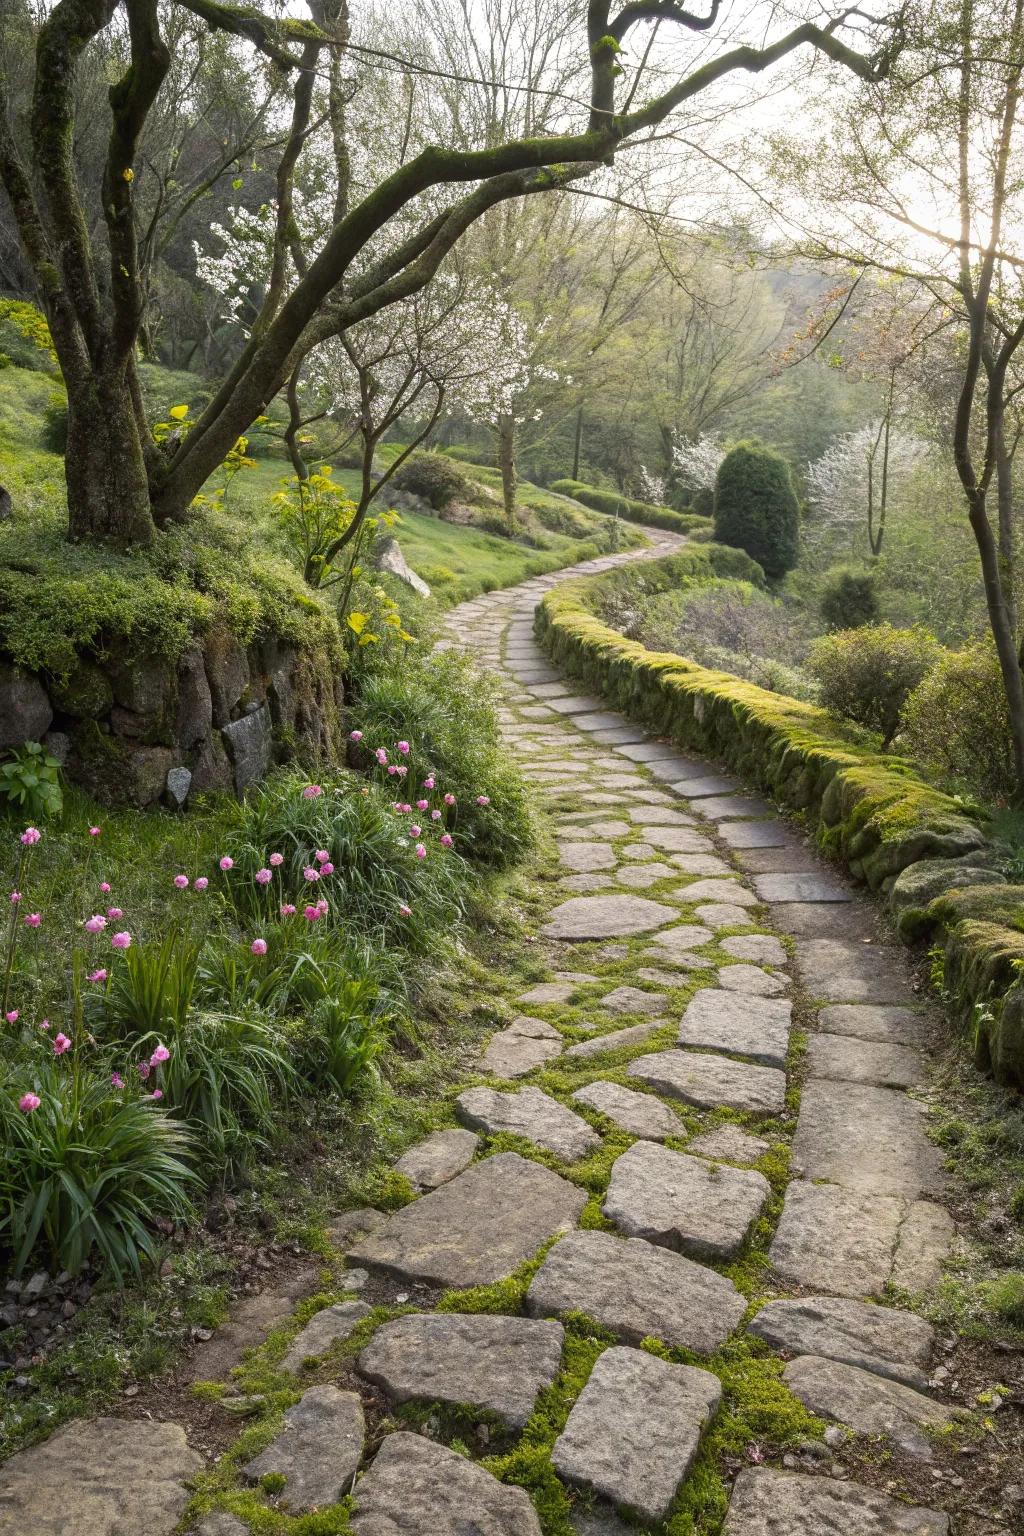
x,y
696,461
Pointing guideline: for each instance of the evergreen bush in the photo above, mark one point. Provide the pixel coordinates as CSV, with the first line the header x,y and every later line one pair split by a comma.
x,y
849,599
756,507
434,477
957,722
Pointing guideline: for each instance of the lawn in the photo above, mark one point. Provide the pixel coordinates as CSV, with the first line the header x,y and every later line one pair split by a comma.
x,y
456,560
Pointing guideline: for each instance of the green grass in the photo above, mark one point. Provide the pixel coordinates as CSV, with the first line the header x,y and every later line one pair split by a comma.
x,y
458,562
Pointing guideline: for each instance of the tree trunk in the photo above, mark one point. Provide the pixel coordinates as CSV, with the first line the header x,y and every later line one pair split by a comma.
x,y
1007,531
104,465
577,444
1000,622
507,465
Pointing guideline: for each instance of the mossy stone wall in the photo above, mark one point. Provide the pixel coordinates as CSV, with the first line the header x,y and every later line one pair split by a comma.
x,y
868,810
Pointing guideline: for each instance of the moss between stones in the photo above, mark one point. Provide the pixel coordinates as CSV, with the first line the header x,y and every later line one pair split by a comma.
x,y
872,812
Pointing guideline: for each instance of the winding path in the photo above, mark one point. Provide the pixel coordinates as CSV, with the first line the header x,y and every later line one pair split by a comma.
x,y
699,973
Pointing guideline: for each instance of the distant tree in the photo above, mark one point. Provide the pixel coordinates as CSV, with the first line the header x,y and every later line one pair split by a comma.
x,y
756,507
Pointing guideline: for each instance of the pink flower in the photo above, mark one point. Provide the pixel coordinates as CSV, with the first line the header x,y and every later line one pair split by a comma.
x,y
181,881
311,914
392,769
44,1024
321,855
287,910
403,747
32,919
99,975
121,940
201,883
483,799
12,1017
435,815
31,835
323,906
310,873
327,869
449,799
428,783
381,756
28,1102
421,805
276,860
355,735
61,1043
95,924
258,946
402,771
157,1093
160,1054
414,830
143,1069
116,1080
421,852
263,877
311,791
105,887
114,913
15,898
407,807
405,911
227,863
447,841
94,831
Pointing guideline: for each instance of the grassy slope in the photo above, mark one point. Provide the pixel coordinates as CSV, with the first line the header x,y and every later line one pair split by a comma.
x,y
458,562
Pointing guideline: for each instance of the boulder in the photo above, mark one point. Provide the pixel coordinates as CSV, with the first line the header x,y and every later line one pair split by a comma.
x,y
919,884
388,557
25,711
195,705
85,694
227,672
250,746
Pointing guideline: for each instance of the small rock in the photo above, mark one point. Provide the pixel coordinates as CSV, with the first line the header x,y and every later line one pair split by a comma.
x,y
683,1203
493,1362
324,1329
418,1488
179,782
434,1161
635,1428
318,1450
529,1113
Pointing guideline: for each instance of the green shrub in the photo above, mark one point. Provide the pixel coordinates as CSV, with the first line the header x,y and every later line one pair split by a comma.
x,y
849,599
756,507
91,1168
957,722
626,507
866,675
434,477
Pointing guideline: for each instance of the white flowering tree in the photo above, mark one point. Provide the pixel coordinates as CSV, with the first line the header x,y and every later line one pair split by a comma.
x,y
851,485
695,461
455,344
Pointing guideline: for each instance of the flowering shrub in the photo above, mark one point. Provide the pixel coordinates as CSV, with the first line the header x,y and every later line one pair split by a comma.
x,y
447,712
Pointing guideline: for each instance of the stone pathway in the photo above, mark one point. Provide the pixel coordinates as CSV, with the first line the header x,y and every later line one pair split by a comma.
x,y
695,972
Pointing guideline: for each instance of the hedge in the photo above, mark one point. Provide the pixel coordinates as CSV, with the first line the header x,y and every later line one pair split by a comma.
x,y
633,511
871,811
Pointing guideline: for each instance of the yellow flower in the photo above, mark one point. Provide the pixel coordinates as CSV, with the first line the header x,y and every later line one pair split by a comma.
x,y
128,173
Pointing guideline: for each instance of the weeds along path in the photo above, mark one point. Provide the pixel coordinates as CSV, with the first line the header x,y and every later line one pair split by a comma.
x,y
661,1259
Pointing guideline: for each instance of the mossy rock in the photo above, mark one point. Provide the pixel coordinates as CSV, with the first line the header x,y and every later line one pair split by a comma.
x,y
85,694
918,885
